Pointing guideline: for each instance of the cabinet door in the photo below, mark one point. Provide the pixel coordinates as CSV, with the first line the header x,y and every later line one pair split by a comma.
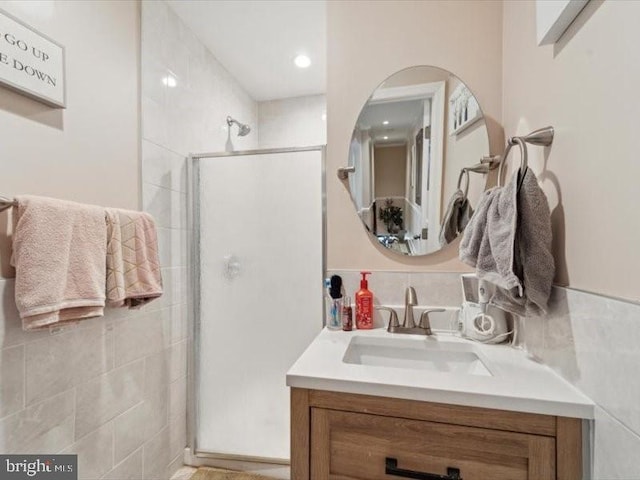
x,y
355,446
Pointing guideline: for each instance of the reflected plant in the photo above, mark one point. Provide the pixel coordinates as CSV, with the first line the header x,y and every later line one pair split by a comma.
x,y
392,216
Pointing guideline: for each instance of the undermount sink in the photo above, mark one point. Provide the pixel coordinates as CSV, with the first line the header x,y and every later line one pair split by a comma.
x,y
427,354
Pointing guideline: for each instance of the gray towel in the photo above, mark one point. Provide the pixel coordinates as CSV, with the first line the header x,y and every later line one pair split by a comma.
x,y
508,241
456,218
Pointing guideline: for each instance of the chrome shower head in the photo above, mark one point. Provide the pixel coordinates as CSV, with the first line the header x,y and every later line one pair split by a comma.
x,y
243,129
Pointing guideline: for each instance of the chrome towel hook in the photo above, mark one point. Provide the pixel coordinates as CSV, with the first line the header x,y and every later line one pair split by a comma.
x,y
7,203
523,157
343,172
464,173
541,137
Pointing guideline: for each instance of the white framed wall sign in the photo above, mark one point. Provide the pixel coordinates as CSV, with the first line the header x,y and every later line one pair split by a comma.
x,y
553,17
31,63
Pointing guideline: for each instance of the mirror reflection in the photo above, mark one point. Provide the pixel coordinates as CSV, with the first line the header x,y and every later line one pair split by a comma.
x,y
416,149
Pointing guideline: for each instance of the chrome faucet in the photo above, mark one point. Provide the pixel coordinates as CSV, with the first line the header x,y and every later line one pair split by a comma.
x,y
410,301
409,324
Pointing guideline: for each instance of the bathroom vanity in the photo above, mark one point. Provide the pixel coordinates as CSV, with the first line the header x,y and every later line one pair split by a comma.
x,y
371,405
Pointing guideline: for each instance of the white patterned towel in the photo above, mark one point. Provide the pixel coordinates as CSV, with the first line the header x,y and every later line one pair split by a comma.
x,y
133,266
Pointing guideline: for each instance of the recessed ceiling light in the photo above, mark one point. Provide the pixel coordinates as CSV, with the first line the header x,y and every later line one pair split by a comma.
x,y
386,122
385,138
302,61
170,81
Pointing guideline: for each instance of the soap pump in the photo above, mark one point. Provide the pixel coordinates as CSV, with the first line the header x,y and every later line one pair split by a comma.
x,y
364,304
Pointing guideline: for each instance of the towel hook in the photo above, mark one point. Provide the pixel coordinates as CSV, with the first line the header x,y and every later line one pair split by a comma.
x,y
523,156
464,172
542,137
343,172
6,203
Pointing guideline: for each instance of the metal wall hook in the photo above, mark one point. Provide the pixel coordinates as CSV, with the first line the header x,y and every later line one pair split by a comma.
x,y
541,137
523,157
343,172
464,173
7,203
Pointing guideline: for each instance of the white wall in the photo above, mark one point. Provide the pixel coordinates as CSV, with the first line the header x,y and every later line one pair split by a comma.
x,y
108,389
71,153
585,87
293,122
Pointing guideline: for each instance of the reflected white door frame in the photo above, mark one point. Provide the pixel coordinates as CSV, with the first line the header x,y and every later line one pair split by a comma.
x,y
433,149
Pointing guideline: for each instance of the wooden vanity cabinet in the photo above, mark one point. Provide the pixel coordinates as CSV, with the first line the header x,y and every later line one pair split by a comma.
x,y
342,436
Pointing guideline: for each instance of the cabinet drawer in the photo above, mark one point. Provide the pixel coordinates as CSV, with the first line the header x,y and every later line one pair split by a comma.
x,y
355,446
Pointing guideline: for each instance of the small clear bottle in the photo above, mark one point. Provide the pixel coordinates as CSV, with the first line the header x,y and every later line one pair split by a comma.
x,y
347,315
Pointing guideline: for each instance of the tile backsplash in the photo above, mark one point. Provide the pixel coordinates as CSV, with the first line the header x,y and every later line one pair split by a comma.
x,y
594,343
432,290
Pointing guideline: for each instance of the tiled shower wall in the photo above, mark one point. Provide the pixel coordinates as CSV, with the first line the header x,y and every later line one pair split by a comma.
x,y
186,97
592,341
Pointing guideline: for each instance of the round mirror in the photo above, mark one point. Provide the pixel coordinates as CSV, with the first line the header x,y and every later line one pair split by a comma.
x,y
417,149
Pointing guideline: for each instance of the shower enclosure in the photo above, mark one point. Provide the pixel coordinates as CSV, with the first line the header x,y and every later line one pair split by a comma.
x,y
257,263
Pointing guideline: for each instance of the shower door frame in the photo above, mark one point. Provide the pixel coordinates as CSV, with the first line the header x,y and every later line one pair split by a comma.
x,y
193,455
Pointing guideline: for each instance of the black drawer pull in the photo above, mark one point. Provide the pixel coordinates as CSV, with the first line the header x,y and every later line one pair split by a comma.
x,y
391,468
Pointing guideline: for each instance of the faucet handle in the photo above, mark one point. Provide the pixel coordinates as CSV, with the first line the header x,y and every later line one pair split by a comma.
x,y
425,322
393,317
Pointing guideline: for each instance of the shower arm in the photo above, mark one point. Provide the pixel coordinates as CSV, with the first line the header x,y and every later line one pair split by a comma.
x,y
243,129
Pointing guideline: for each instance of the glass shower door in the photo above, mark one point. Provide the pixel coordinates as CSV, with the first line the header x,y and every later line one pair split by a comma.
x,y
260,226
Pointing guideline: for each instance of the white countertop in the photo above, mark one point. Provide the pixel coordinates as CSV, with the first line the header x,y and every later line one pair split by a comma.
x,y
517,382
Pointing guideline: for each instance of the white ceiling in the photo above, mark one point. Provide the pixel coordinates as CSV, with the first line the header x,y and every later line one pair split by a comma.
x,y
256,41
402,115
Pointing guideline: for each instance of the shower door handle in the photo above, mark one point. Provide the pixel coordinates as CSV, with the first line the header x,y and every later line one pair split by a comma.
x,y
231,266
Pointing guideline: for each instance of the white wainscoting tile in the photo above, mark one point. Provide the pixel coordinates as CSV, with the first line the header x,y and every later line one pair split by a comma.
x,y
105,397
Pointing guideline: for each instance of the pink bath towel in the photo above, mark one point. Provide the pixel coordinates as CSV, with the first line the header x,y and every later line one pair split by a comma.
x,y
133,266
59,250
